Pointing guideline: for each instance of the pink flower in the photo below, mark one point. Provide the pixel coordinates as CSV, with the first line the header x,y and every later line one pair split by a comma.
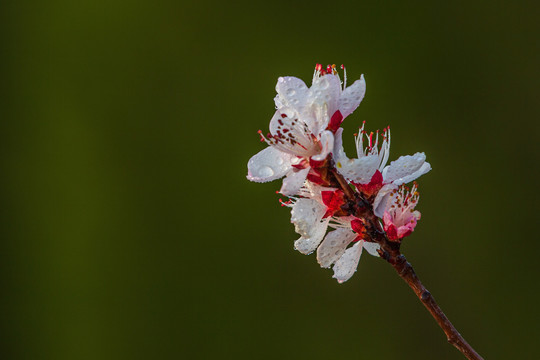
x,y
399,217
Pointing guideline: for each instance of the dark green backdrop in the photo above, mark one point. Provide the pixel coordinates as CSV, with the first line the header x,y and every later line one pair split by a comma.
x,y
129,231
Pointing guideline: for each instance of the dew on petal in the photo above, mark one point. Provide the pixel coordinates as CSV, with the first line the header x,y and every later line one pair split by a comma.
x,y
266,171
324,84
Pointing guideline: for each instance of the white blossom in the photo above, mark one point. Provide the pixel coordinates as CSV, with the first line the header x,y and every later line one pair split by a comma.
x,y
374,157
302,128
340,247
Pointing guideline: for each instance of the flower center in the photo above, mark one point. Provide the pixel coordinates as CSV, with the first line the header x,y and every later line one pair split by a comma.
x,y
330,70
294,137
373,148
405,200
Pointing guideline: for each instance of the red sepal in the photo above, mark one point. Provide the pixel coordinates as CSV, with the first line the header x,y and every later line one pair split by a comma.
x,y
357,226
377,178
301,165
333,201
314,178
373,186
391,232
316,164
335,121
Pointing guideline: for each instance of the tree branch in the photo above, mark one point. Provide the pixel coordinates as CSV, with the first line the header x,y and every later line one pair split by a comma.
x,y
406,272
390,251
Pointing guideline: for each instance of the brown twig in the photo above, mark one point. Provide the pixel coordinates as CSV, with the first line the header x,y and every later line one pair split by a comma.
x,y
406,272
390,251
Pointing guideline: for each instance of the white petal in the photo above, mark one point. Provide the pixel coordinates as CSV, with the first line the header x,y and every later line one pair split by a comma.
x,y
352,96
339,153
326,90
269,164
293,182
305,214
372,248
358,170
292,92
400,171
426,167
323,97
306,245
383,200
274,122
327,142
334,246
300,118
346,266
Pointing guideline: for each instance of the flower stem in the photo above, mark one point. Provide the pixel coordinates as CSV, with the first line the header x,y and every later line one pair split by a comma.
x,y
390,251
406,272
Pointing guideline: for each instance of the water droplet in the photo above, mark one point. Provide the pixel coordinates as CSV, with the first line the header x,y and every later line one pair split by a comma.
x,y
266,171
324,84
291,92
279,161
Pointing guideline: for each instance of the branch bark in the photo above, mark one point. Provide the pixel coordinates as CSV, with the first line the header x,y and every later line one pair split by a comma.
x,y
406,272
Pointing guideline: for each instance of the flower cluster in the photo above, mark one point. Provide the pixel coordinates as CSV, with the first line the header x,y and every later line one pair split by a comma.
x,y
364,201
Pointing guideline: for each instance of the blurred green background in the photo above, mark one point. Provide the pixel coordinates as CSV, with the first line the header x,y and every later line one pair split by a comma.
x,y
129,230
